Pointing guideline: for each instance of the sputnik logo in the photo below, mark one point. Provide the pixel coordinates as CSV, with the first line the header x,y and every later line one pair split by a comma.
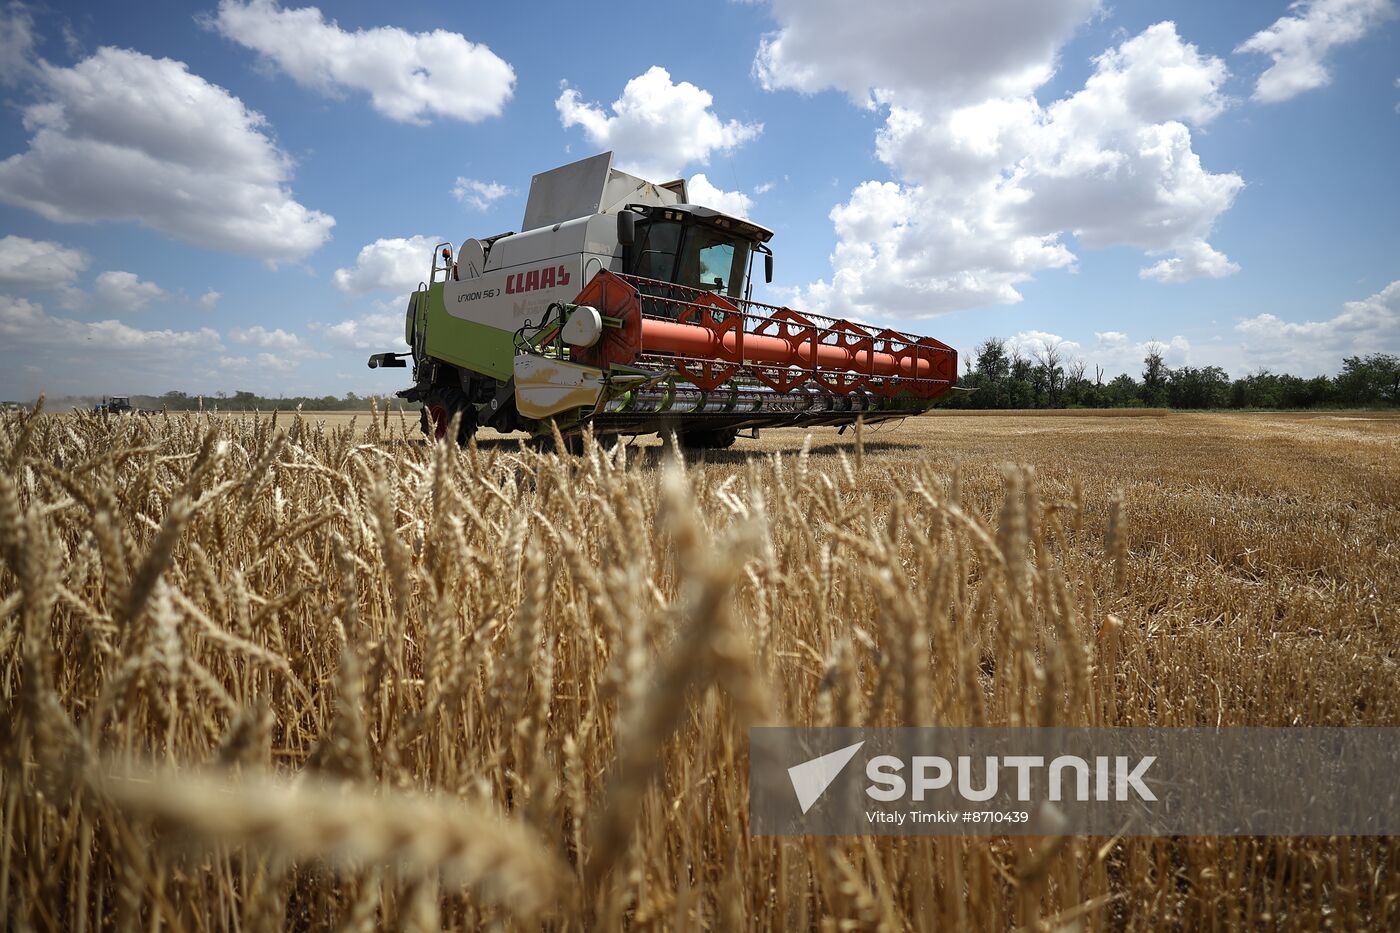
x,y
811,778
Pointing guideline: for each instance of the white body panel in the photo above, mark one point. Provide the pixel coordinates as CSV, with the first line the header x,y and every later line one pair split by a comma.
x,y
591,186
526,272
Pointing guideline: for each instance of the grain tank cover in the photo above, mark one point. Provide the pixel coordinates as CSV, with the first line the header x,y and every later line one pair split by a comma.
x,y
591,186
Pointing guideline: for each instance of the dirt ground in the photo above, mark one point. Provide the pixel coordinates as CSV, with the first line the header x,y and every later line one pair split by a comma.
x,y
1228,448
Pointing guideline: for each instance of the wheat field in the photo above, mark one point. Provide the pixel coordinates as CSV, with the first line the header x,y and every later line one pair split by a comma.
x,y
312,673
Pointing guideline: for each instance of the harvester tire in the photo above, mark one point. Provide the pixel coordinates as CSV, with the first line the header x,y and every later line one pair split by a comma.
x,y
713,439
439,405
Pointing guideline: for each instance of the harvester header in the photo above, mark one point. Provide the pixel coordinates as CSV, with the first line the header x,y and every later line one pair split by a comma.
x,y
625,308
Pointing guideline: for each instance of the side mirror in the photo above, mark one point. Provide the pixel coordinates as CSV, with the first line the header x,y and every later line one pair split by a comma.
x,y
768,268
626,227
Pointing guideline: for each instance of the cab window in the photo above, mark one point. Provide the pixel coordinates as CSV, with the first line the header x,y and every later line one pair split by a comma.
x,y
715,264
656,254
713,261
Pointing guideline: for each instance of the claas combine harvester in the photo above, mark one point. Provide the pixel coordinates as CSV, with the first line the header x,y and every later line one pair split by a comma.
x,y
625,308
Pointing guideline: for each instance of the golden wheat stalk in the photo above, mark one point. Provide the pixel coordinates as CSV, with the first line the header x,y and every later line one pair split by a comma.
x,y
500,861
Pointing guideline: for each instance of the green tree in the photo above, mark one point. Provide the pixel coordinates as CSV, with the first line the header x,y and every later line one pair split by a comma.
x,y
1154,376
1262,390
1192,387
1020,383
1123,391
1050,374
1370,379
988,371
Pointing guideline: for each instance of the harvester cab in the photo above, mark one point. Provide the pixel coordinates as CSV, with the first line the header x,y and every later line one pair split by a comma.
x,y
622,306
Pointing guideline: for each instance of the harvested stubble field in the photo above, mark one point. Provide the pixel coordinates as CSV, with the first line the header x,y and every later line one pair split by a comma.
x,y
295,673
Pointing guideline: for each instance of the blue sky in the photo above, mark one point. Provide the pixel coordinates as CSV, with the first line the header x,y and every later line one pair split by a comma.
x,y
238,196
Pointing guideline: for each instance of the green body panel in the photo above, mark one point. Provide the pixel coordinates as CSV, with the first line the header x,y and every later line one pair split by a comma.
x,y
481,349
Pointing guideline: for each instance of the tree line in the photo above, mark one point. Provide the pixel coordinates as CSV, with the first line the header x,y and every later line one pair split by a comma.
x,y
223,401
1001,376
248,401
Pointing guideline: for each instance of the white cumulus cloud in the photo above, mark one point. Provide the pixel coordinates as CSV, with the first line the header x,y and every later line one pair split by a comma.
x,y
391,264
408,76
1194,259
121,136
16,44
1370,325
259,336
1114,351
284,364
917,51
656,127
125,291
1035,343
209,299
479,195
1122,354
25,324
990,189
1300,42
378,330
26,263
701,192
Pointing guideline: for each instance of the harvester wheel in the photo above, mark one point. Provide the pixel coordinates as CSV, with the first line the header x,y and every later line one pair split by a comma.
x,y
713,439
439,405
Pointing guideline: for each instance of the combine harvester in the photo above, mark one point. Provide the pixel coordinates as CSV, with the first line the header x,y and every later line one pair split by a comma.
x,y
626,308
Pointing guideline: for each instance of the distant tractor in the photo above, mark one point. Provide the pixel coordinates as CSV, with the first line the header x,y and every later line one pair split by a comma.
x,y
625,308
116,405
113,405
